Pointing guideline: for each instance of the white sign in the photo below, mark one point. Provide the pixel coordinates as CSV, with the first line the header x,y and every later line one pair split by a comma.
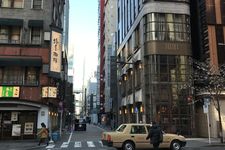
x,y
56,52
28,128
49,92
52,92
16,130
14,116
205,108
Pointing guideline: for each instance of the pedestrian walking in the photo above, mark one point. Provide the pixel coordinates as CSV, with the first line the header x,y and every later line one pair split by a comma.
x,y
155,135
43,134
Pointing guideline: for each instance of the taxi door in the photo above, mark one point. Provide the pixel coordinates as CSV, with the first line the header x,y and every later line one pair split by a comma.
x,y
138,134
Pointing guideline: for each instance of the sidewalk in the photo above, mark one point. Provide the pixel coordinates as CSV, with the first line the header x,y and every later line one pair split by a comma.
x,y
203,142
30,144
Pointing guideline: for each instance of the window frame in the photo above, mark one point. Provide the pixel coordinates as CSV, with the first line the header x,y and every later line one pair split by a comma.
x,y
12,4
40,35
32,5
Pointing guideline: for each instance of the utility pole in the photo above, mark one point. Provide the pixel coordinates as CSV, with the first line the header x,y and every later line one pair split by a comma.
x,y
85,102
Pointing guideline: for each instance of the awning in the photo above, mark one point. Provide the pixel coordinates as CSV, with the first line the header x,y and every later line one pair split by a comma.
x,y
11,22
20,61
36,23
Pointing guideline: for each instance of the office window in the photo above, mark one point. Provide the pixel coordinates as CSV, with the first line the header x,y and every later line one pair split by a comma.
x,y
31,76
11,3
35,35
10,34
19,76
4,34
13,75
37,4
15,35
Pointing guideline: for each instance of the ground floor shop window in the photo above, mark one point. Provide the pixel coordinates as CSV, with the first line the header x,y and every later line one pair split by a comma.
x,y
18,124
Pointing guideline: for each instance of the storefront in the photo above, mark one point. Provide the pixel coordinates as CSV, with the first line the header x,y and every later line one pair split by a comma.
x,y
18,120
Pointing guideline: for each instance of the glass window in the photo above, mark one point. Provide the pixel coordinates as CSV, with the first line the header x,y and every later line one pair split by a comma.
x,y
138,129
121,128
13,75
18,3
31,76
167,27
35,35
11,3
4,34
37,4
15,35
10,34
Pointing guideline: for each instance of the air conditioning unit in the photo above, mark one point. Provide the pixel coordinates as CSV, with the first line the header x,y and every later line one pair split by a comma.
x,y
47,36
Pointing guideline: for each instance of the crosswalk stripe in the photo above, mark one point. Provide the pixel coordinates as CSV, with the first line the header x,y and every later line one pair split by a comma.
x,y
64,145
50,146
77,144
90,144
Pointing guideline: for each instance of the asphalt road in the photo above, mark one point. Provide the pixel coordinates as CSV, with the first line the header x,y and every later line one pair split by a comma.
x,y
91,140
81,140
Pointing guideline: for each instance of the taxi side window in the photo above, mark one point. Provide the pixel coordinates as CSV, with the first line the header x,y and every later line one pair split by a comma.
x,y
138,130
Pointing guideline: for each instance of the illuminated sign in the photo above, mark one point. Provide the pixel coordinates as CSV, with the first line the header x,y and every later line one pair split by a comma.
x,y
9,91
49,92
56,47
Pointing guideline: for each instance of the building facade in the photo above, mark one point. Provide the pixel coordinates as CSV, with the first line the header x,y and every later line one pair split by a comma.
x,y
208,40
154,46
109,32
101,40
31,77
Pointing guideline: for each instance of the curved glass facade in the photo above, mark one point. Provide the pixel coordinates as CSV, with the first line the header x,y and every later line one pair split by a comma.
x,y
167,27
167,77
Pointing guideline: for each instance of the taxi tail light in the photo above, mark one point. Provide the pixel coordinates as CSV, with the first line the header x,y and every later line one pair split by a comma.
x,y
109,138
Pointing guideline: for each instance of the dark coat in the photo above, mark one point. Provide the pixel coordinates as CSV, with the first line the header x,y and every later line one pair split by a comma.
x,y
154,134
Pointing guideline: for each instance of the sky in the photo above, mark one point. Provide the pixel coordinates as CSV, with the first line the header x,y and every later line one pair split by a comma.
x,y
83,38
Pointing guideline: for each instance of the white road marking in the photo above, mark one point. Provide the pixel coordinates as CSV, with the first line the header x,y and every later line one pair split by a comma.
x,y
50,146
90,144
70,137
77,144
64,145
101,143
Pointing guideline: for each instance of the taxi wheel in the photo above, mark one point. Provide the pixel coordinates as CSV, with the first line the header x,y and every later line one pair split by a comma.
x,y
175,145
128,145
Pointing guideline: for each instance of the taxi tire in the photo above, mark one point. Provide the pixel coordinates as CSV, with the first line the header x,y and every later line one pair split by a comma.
x,y
175,145
128,145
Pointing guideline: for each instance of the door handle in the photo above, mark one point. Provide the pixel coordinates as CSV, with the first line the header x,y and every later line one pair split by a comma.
x,y
132,136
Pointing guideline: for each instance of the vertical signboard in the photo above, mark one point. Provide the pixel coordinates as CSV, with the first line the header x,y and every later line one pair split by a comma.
x,y
56,50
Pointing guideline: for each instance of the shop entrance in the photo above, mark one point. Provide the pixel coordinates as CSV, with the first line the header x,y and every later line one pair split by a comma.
x,y
18,124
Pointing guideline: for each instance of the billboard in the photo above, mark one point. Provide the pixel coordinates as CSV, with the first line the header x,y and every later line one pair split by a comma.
x,y
9,91
56,52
